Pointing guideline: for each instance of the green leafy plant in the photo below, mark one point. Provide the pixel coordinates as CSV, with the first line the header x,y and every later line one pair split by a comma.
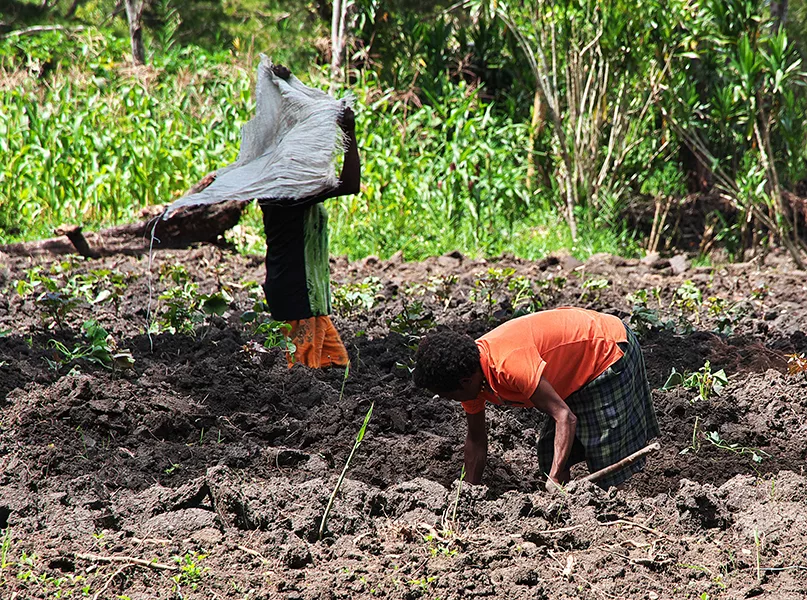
x,y
490,285
413,320
277,336
183,307
190,570
757,455
100,348
593,287
524,299
442,288
644,319
351,298
688,300
706,382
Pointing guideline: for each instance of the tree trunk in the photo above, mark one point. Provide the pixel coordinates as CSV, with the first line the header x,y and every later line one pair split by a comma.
x,y
71,11
779,12
338,26
134,12
189,225
536,124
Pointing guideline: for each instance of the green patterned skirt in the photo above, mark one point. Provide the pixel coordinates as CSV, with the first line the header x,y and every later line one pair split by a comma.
x,y
615,418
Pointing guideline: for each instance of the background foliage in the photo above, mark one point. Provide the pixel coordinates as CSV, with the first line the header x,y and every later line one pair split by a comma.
x,y
483,126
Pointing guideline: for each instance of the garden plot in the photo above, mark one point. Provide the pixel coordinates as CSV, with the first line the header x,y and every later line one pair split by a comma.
x,y
153,443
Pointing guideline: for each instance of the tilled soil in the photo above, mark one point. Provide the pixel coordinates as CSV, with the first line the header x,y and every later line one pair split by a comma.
x,y
204,470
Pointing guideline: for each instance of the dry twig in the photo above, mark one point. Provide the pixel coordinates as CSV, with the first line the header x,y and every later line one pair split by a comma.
x,y
130,560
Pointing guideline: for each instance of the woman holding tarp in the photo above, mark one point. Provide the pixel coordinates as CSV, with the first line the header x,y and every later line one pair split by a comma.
x,y
286,161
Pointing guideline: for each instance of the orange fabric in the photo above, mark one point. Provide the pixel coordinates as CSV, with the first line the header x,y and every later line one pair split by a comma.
x,y
318,343
569,346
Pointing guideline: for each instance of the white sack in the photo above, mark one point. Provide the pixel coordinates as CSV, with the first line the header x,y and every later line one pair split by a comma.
x,y
287,150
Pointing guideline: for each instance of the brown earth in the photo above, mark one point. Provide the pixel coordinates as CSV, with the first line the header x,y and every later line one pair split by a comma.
x,y
212,463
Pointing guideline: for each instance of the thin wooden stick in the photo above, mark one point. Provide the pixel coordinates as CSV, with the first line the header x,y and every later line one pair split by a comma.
x,y
110,579
126,559
623,463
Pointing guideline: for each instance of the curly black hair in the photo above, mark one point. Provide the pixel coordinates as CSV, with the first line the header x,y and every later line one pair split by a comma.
x,y
444,358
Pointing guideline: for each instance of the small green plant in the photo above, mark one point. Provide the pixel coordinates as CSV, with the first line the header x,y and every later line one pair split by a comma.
x,y
52,296
413,320
59,290
757,455
278,335
760,291
592,289
706,382
489,286
352,298
688,299
694,446
257,301
190,571
181,302
644,319
421,585
99,539
100,348
524,300
457,496
359,438
442,288
183,306
5,546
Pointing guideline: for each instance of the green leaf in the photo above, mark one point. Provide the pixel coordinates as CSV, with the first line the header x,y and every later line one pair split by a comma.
x,y
215,304
674,380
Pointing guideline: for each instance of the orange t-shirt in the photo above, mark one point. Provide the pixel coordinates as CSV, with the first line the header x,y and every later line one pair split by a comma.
x,y
569,346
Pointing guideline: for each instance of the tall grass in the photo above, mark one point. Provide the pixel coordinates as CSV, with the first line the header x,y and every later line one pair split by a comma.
x,y
85,140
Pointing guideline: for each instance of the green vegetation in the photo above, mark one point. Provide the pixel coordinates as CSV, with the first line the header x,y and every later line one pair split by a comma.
x,y
707,383
100,348
356,444
60,290
182,307
486,127
351,298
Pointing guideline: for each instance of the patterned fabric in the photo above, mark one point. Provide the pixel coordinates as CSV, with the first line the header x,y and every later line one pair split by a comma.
x,y
318,343
317,260
615,418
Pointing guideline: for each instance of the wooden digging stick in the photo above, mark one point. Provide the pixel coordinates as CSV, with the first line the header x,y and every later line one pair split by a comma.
x,y
654,447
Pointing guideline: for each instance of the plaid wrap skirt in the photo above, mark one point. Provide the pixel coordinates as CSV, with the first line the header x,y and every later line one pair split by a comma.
x,y
615,418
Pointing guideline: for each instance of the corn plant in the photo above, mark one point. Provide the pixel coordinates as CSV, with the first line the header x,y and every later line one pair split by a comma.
x,y
359,438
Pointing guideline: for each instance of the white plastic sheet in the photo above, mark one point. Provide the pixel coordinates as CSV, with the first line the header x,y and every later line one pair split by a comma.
x,y
287,150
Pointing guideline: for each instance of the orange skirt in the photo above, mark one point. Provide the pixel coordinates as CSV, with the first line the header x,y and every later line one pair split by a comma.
x,y
318,343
